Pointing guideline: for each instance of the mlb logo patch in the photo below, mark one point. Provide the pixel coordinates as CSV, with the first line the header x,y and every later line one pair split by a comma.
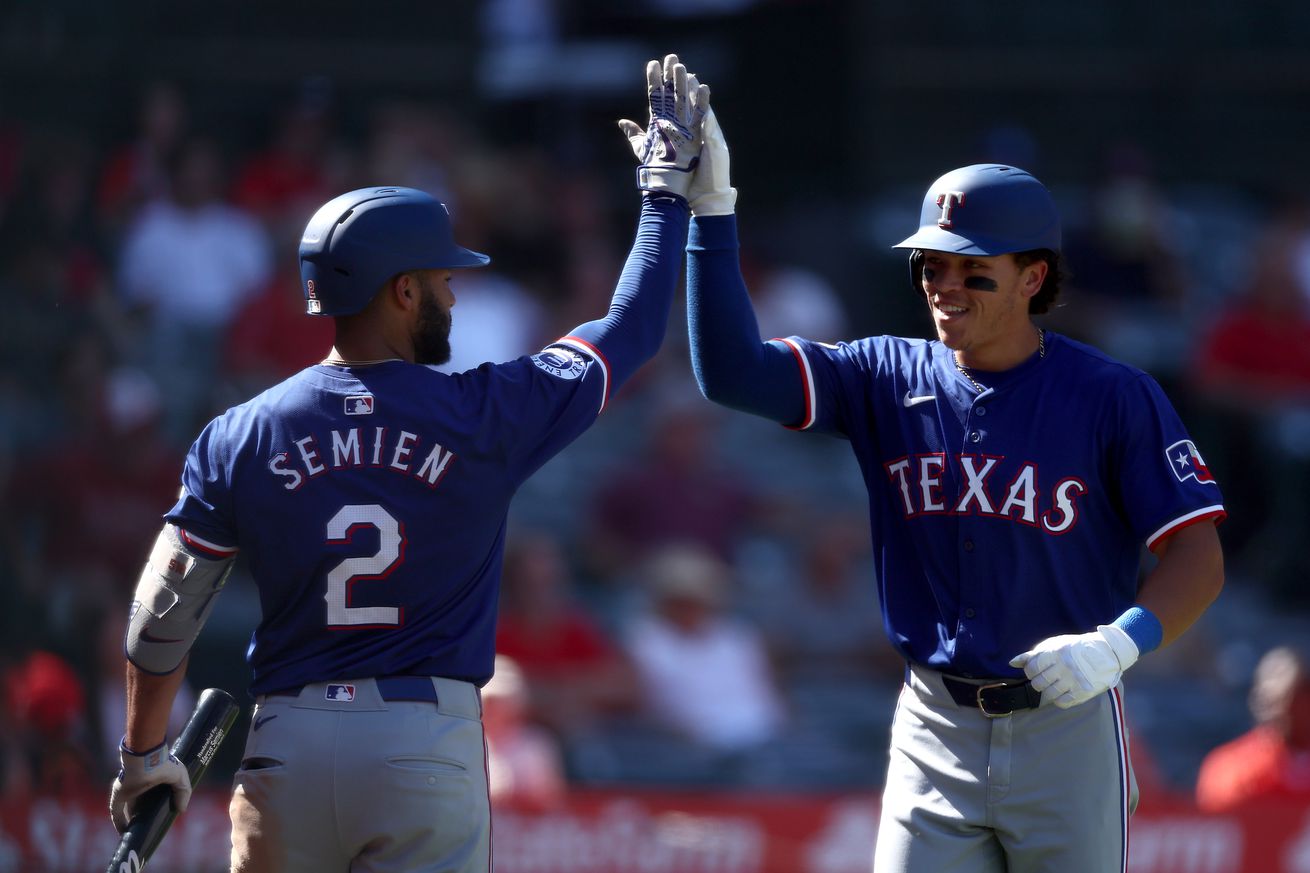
x,y
359,404
344,693
1187,463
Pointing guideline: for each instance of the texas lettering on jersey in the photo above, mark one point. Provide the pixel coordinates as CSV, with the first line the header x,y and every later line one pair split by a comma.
x,y
402,452
920,481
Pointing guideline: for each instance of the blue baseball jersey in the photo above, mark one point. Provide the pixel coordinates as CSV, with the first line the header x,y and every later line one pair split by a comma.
x,y
371,502
1003,518
371,505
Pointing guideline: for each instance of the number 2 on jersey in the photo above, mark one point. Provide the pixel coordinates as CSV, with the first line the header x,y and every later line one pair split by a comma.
x,y
390,553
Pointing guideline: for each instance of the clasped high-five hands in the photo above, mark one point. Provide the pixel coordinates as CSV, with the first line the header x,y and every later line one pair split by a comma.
x,y
682,150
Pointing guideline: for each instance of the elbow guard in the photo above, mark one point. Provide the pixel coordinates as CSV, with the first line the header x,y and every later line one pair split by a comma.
x,y
173,598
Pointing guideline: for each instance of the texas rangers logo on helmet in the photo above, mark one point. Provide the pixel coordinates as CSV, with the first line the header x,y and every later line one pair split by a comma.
x,y
1187,463
948,201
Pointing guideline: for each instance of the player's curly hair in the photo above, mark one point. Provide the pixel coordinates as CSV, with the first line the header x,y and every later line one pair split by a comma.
x,y
1044,299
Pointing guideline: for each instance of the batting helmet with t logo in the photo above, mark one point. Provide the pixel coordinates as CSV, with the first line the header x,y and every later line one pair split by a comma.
x,y
986,209
989,209
359,240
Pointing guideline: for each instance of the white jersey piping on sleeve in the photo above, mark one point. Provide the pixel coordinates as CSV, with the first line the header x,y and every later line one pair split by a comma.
x,y
581,345
1216,511
807,385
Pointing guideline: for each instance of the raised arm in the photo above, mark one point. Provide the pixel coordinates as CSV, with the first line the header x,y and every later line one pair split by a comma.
x,y
732,366
632,330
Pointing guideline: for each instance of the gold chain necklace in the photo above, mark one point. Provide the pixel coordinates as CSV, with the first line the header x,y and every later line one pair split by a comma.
x,y
342,362
1041,353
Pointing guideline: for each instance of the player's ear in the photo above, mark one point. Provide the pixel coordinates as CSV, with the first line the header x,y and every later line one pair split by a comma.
x,y
404,290
1033,276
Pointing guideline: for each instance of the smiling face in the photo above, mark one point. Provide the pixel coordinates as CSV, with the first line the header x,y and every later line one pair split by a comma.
x,y
979,306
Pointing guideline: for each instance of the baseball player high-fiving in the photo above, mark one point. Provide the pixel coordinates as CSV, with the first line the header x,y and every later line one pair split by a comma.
x,y
369,494
1013,477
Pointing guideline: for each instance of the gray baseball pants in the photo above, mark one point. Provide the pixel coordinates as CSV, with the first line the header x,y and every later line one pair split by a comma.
x,y
1040,790
340,779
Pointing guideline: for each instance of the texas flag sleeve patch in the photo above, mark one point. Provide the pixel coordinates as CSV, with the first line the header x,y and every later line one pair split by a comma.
x,y
1187,463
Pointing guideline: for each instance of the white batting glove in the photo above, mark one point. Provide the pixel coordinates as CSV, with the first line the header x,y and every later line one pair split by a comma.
x,y
711,193
671,143
140,773
1073,668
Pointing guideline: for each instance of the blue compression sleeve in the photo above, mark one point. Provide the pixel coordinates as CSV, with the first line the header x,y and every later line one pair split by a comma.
x,y
631,332
731,365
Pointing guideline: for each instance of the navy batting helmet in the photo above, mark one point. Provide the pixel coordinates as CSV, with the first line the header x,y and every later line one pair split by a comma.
x,y
359,240
986,209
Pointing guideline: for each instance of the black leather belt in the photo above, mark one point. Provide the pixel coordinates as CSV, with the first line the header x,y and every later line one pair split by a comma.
x,y
995,698
390,688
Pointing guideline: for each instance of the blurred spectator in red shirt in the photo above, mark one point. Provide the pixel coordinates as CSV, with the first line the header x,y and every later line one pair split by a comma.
x,y
292,174
92,504
270,337
136,172
525,766
674,491
1252,369
1256,355
48,703
56,192
1272,760
575,675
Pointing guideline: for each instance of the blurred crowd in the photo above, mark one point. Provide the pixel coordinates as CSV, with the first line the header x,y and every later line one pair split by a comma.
x,y
688,595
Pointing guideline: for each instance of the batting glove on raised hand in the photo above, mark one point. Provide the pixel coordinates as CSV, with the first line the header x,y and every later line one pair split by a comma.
x,y
141,772
1073,668
711,193
671,143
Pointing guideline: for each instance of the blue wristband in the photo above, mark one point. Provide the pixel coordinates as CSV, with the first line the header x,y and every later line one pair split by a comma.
x,y
1142,627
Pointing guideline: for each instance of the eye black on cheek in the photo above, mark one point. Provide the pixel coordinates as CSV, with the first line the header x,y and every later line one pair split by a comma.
x,y
980,283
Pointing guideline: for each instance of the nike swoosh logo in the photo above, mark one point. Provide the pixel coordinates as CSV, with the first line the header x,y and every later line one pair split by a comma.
x,y
664,150
263,720
907,401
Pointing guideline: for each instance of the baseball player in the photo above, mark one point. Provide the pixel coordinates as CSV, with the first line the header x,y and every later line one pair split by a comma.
x,y
369,494
1013,477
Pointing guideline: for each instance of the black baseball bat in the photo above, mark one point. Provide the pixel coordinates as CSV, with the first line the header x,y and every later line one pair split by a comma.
x,y
214,715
